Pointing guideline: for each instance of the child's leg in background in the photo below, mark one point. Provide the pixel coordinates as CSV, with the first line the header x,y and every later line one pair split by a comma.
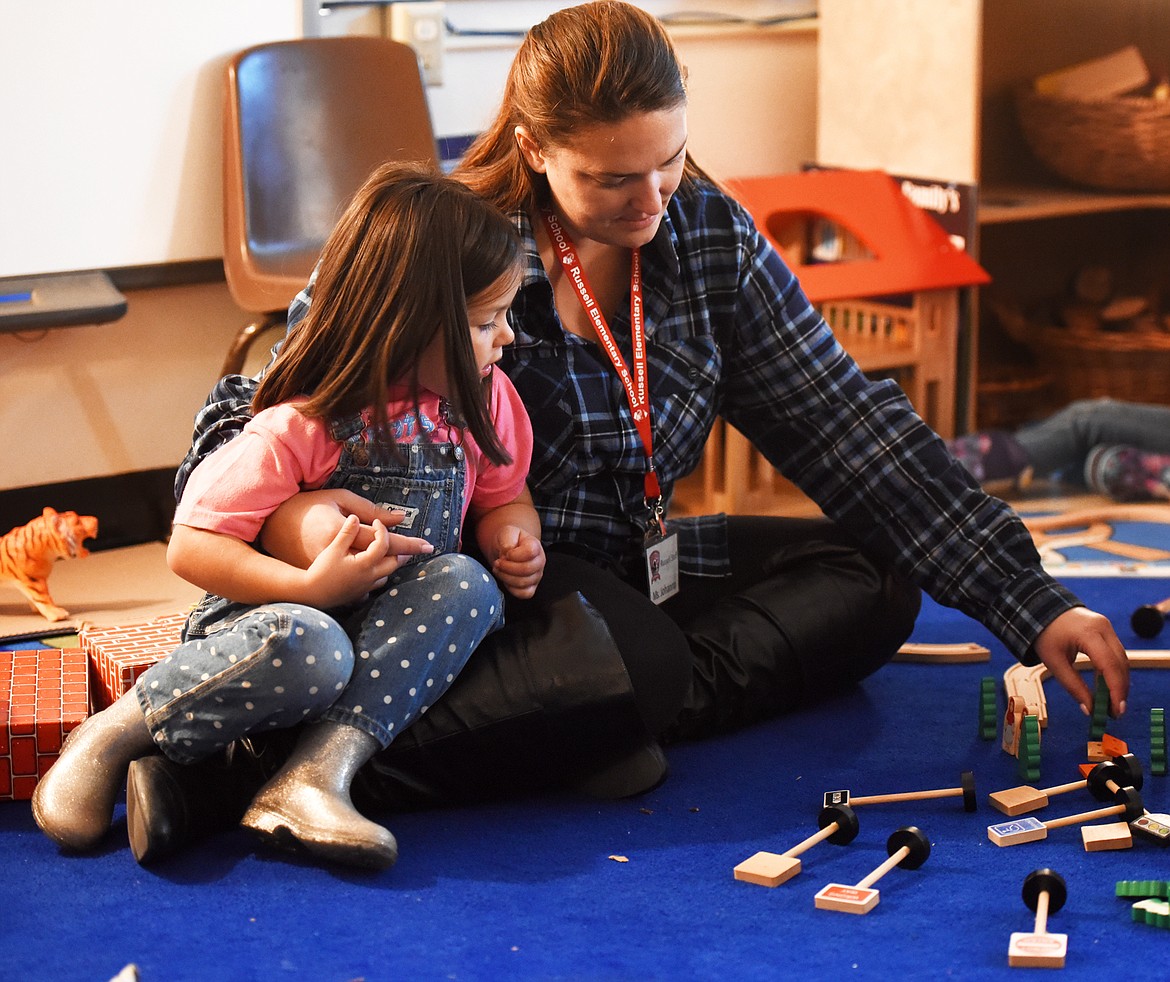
x,y
1063,441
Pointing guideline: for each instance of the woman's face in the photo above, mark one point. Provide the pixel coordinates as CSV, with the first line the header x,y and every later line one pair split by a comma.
x,y
611,182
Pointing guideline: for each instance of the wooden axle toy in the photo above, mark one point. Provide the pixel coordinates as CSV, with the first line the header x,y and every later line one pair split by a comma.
x,y
1029,829
1045,893
838,824
1104,781
1147,621
966,789
908,847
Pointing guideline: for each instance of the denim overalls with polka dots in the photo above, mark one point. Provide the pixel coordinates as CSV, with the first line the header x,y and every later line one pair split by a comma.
x,y
242,669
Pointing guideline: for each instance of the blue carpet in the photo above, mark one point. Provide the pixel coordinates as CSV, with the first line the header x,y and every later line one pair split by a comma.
x,y
527,890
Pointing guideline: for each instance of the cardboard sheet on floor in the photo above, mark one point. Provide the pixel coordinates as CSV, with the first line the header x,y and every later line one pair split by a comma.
x,y
118,586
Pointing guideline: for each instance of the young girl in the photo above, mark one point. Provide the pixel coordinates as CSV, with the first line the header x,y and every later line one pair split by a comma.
x,y
387,390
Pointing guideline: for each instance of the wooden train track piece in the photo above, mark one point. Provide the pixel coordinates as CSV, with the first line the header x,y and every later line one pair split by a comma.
x,y
964,651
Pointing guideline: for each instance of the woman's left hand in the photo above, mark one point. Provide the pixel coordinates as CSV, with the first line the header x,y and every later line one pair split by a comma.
x,y
1082,630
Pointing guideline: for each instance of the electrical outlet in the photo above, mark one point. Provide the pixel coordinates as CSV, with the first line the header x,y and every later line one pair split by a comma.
x,y
421,26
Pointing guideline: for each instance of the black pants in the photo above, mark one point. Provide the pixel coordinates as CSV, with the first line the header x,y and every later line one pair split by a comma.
x,y
804,614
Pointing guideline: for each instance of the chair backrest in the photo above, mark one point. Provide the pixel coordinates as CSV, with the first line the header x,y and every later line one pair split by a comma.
x,y
305,122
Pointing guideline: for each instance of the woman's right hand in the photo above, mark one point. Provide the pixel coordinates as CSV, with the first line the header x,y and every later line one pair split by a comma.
x,y
308,523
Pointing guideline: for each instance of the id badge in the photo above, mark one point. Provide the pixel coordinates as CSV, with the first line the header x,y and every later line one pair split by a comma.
x,y
661,554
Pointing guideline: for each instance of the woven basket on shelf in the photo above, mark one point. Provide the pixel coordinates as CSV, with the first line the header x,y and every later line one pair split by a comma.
x,y
1119,144
1122,364
1132,365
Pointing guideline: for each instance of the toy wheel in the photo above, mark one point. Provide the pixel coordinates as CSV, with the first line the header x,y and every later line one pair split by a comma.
x,y
970,802
915,840
1040,880
1147,621
846,819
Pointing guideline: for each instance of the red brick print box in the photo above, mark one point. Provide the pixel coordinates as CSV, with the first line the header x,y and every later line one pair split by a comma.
x,y
43,695
118,655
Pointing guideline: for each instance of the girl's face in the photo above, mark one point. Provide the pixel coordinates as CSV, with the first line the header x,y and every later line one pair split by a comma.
x,y
611,182
487,313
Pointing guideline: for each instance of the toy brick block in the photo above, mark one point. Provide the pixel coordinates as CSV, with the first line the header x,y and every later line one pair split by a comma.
x,y
1143,888
1028,750
988,709
118,655
1151,911
43,695
1158,742
1100,717
1101,838
1112,746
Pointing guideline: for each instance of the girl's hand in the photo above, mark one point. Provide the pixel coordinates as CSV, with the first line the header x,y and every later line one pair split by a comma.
x,y
342,574
1082,630
309,522
519,561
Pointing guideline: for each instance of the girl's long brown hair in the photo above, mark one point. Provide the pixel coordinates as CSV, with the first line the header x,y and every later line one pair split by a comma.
x,y
594,63
410,250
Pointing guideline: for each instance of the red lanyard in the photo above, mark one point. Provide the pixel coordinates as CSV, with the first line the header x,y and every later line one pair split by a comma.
x,y
636,385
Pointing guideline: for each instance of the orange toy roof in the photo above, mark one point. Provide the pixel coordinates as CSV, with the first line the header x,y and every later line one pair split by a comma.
x,y
911,252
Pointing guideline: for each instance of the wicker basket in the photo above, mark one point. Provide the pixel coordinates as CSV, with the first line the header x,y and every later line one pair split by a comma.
x,y
1119,144
1131,365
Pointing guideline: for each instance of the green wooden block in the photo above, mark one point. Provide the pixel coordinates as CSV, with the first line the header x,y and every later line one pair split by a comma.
x,y
1154,912
988,709
1100,716
1028,755
1158,742
1143,888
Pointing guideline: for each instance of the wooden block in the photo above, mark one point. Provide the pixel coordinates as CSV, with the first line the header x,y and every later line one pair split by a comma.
x,y
1098,78
1030,950
1155,827
1094,752
1113,746
1102,838
1013,720
767,869
848,900
1151,911
1016,801
1028,748
965,651
1143,888
1014,833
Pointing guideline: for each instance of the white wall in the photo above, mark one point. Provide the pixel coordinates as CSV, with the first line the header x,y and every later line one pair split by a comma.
x,y
111,116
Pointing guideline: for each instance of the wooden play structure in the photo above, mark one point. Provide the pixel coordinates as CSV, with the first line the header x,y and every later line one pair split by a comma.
x,y
890,292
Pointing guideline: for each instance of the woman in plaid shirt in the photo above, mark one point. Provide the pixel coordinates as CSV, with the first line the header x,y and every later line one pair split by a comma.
x,y
651,305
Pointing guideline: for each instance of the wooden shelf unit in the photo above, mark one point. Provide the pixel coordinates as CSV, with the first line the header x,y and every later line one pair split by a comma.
x,y
928,89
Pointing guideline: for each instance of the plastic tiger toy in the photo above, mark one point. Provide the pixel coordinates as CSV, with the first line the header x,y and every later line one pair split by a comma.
x,y
28,552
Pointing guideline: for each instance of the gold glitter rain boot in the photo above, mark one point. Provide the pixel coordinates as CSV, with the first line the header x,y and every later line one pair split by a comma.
x,y
308,801
74,802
